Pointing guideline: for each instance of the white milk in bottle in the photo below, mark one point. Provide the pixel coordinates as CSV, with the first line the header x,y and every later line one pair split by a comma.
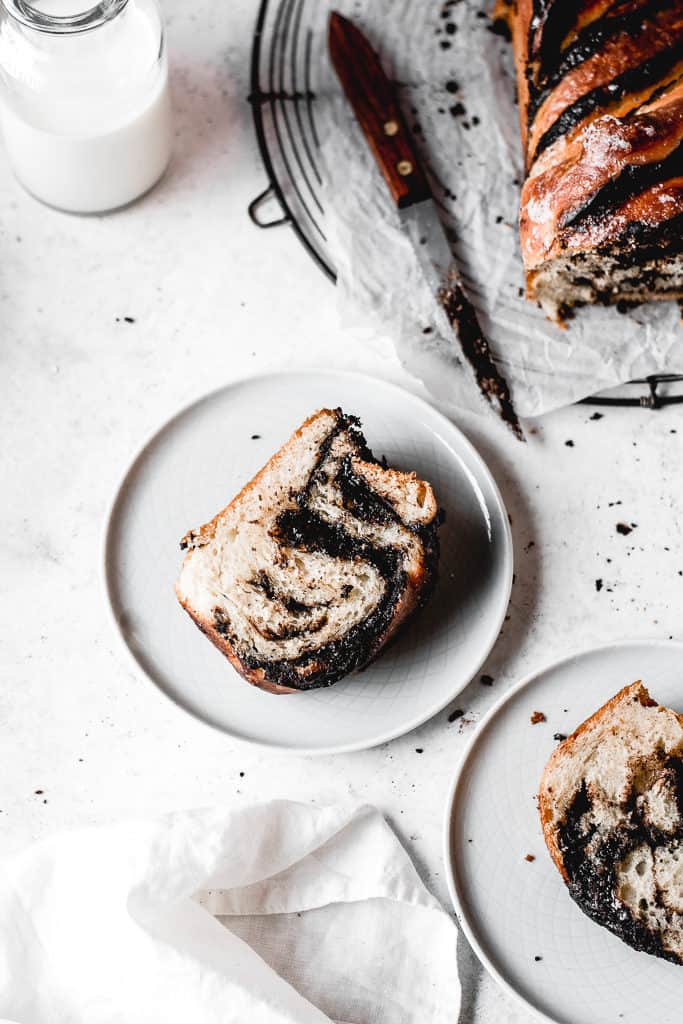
x,y
84,102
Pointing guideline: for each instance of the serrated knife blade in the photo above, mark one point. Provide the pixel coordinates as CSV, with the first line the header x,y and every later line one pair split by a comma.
x,y
373,99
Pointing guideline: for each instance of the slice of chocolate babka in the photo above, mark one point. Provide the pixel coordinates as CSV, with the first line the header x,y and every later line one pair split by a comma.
x,y
600,86
611,804
310,570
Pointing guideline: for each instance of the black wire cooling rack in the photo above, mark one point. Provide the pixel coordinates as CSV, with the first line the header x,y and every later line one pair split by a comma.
x,y
284,81
286,76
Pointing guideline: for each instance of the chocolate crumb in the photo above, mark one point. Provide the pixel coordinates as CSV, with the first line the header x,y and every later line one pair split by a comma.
x,y
536,717
624,529
500,28
597,416
454,715
419,750
569,444
457,110
129,319
256,437
452,85
598,585
538,958
559,736
444,44
486,680
530,857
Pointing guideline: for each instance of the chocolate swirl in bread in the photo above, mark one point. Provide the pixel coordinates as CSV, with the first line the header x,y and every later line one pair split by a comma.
x,y
611,804
313,567
600,86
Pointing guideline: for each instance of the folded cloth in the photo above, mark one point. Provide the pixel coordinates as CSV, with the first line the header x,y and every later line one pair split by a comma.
x,y
280,912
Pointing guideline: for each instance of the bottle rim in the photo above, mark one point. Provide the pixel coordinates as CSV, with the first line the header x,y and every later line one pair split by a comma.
x,y
30,16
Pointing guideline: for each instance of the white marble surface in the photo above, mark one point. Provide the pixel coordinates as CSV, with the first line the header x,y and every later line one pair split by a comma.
x,y
82,738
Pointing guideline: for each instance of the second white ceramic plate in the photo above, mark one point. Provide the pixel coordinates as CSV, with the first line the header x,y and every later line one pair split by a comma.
x,y
196,463
517,914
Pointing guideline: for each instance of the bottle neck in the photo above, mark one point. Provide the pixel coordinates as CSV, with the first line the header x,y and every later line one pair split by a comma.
x,y
43,16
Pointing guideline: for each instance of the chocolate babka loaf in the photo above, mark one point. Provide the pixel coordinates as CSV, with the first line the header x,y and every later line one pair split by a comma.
x,y
611,804
310,570
600,88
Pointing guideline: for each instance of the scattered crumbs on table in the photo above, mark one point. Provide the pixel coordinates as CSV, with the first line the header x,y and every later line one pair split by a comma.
x,y
427,330
611,504
559,736
444,44
597,416
536,717
419,750
486,680
530,857
569,444
538,958
452,85
624,529
256,437
457,110
598,585
241,775
454,715
38,792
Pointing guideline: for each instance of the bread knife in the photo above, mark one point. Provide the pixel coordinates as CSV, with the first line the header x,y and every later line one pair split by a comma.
x,y
373,99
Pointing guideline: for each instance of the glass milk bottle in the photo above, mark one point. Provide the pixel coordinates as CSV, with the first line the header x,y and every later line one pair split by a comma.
x,y
84,100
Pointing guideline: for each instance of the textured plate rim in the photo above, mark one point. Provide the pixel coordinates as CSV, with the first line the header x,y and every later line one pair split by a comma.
x,y
449,865
106,560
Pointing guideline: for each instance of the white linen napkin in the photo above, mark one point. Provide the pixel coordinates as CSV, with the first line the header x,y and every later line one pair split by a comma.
x,y
280,912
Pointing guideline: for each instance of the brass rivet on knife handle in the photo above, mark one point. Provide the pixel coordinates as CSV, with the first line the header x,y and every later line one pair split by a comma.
x,y
373,99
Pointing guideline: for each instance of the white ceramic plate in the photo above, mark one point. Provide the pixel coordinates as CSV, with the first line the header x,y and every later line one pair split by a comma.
x,y
512,910
196,463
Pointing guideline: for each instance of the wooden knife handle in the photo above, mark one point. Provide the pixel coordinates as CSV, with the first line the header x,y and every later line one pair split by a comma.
x,y
373,99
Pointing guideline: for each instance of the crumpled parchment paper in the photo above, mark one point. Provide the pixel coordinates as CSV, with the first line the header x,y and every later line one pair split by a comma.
x,y
457,89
